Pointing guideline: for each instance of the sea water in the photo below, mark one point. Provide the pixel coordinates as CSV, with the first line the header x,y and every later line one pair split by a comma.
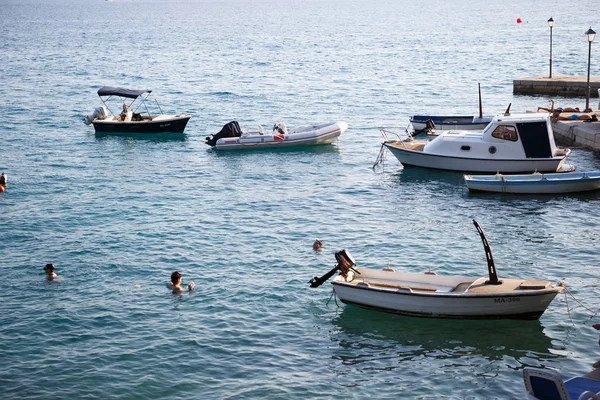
x,y
117,215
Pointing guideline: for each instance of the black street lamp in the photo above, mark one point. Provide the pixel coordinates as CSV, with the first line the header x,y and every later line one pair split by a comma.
x,y
550,24
590,38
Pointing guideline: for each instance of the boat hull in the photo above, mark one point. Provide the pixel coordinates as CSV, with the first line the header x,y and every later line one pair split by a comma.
x,y
309,136
536,183
446,305
160,124
409,157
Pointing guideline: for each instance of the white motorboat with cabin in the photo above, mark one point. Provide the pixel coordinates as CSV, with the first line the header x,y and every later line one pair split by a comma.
x,y
135,116
536,183
232,137
432,295
520,143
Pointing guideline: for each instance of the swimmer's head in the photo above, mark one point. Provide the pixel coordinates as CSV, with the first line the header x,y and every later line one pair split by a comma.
x,y
175,277
317,245
49,268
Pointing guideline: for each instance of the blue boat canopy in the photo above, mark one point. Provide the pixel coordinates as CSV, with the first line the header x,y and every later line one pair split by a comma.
x,y
129,93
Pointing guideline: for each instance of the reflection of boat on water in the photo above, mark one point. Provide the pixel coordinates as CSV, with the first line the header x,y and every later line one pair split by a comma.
x,y
492,340
150,137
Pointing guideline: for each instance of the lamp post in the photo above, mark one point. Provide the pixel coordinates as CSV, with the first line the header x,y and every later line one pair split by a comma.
x,y
590,38
550,24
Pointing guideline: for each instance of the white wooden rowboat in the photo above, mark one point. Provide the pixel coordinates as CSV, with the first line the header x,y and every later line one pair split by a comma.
x,y
432,295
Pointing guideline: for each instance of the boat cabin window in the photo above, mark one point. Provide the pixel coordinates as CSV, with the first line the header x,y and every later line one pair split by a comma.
x,y
505,132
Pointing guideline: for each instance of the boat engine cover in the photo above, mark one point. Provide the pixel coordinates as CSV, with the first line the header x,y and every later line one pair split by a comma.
x,y
345,259
230,129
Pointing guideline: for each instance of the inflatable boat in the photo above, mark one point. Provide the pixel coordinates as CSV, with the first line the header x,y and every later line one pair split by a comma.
x,y
232,137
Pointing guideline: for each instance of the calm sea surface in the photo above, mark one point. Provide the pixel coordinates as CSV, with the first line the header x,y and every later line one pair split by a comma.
x,y
117,215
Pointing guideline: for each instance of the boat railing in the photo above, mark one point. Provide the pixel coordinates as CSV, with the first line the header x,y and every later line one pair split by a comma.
x,y
396,135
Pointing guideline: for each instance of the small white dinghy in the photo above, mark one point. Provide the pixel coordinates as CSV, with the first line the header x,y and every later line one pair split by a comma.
x,y
231,137
536,183
432,295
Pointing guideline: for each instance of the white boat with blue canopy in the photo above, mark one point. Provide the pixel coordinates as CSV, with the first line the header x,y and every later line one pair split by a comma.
x,y
520,143
135,116
536,183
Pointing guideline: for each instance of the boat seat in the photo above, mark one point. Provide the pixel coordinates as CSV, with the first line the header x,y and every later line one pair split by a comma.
x,y
534,285
461,287
548,385
412,286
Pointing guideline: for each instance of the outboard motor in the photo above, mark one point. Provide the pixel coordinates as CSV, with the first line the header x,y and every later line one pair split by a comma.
x,y
231,129
279,128
99,113
429,126
345,264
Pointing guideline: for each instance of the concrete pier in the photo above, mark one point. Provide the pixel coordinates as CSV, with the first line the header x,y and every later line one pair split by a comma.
x,y
569,86
578,133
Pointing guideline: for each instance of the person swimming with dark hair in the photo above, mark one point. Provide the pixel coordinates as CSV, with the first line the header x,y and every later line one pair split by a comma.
x,y
49,270
317,245
175,284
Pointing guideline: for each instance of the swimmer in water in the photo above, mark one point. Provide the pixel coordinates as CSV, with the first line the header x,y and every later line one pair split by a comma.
x,y
49,270
175,284
317,245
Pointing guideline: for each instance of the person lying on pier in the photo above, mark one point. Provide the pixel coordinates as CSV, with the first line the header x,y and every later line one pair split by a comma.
x,y
558,115
550,110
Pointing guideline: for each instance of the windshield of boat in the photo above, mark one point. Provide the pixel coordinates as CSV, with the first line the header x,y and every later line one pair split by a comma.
x,y
144,104
505,132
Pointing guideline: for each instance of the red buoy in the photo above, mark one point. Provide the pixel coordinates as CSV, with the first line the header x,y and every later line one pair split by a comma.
x,y
519,20
1,189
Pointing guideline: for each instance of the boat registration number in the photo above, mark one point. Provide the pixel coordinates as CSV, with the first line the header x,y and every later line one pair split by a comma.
x,y
507,299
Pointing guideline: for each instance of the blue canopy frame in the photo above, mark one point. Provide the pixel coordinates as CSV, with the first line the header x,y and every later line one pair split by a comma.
x,y
129,93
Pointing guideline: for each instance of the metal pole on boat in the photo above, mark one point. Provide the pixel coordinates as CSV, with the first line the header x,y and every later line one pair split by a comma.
x,y
480,107
550,24
490,259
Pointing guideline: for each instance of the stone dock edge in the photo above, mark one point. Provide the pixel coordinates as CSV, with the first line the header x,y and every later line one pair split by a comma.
x,y
568,86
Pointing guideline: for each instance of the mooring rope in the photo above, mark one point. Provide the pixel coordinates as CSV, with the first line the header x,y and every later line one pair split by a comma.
x,y
335,299
580,303
567,301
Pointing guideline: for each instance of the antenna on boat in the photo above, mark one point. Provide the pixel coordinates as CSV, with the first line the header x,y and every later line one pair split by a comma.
x,y
507,112
480,107
490,259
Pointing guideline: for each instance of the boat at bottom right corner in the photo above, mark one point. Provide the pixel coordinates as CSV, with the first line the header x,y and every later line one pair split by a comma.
x,y
535,183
